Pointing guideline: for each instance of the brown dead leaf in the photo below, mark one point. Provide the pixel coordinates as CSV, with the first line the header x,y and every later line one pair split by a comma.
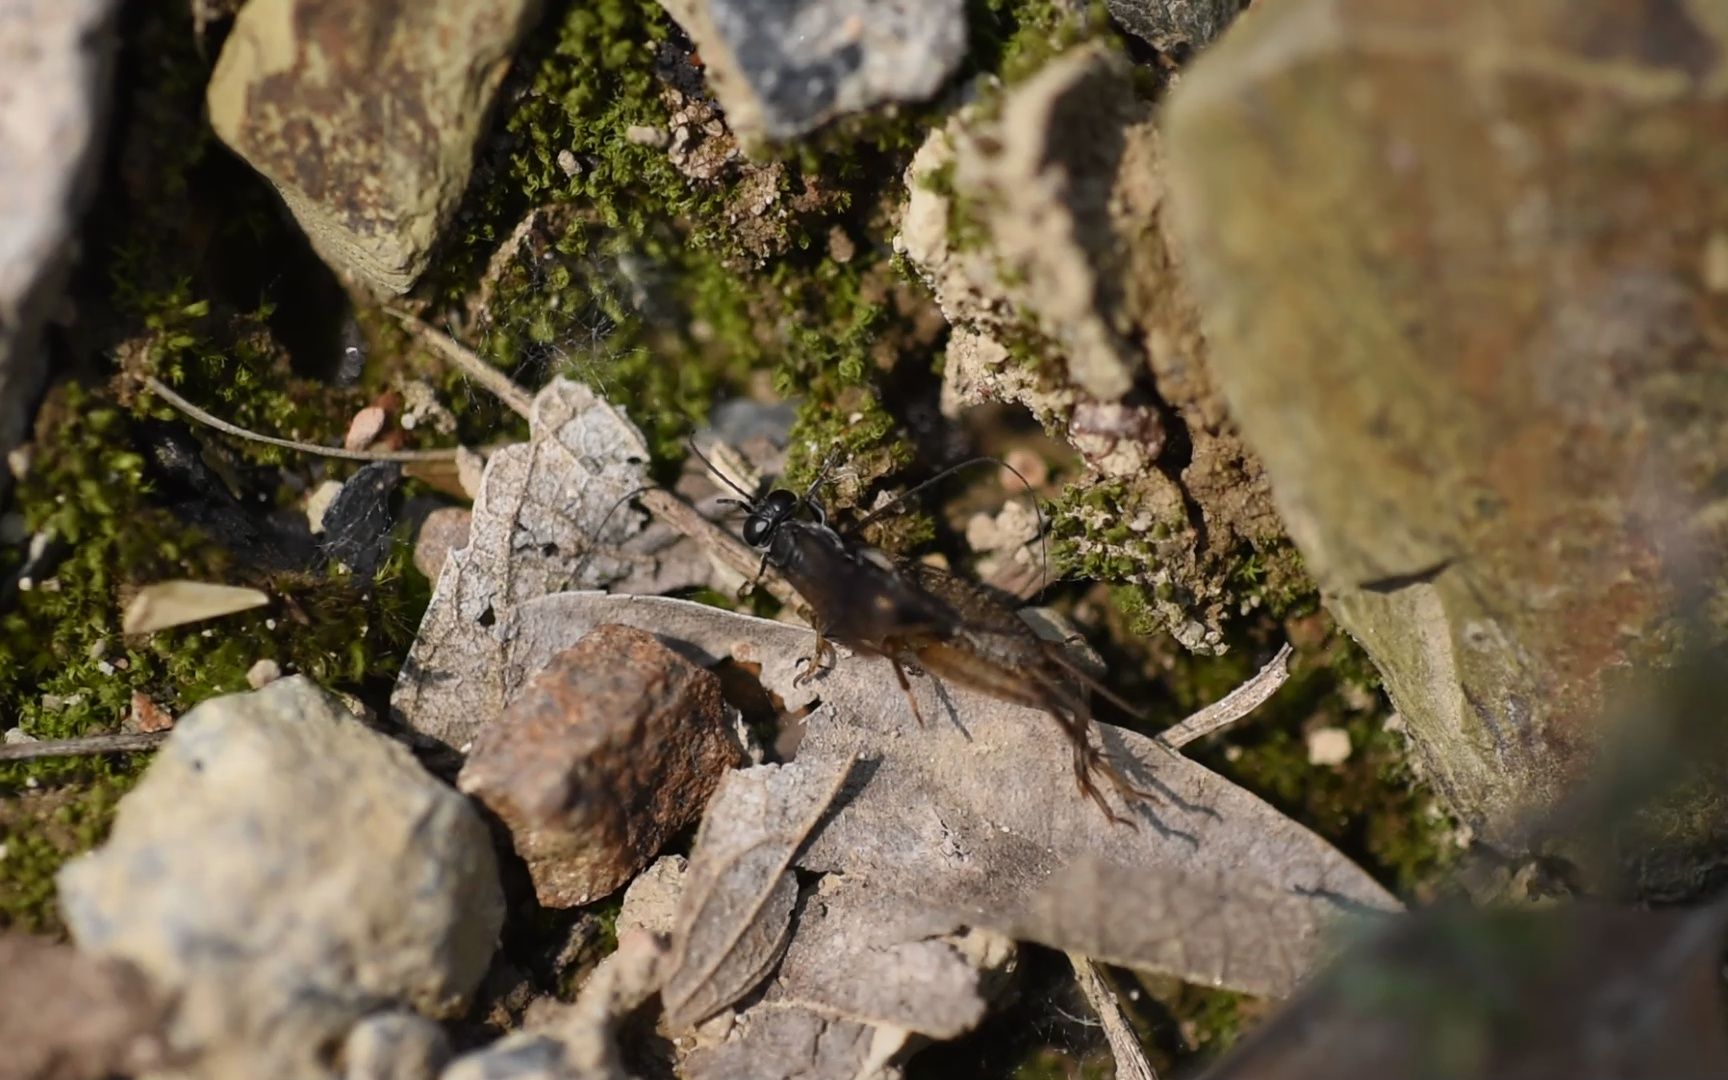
x,y
975,820
1582,992
735,913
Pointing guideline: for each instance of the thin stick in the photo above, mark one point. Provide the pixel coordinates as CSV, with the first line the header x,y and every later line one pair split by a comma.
x,y
126,743
160,390
1232,706
502,387
1131,1063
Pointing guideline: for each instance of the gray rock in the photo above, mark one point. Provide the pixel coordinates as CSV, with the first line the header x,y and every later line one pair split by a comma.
x,y
395,1046
55,57
781,69
603,757
285,871
1463,268
365,117
1171,24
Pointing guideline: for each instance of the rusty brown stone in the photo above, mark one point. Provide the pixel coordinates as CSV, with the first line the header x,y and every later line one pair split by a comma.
x,y
606,754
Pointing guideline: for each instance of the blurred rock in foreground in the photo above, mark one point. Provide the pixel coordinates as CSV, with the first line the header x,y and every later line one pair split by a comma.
x,y
1464,270
54,65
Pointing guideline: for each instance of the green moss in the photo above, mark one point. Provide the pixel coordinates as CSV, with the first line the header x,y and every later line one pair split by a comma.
x,y
39,832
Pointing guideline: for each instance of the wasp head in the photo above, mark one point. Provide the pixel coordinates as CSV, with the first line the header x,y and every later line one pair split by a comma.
x,y
774,510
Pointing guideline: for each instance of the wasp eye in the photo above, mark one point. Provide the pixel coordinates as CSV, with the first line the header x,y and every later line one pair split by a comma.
x,y
756,530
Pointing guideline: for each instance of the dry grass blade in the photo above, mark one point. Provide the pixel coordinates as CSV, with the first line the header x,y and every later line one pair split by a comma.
x,y
1232,706
1131,1063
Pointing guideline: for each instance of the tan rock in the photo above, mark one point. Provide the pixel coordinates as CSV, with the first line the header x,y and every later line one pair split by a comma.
x,y
365,117
1454,263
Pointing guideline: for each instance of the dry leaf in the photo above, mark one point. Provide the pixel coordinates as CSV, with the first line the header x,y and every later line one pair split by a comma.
x,y
975,820
540,503
1585,993
735,912
853,957
176,603
793,1044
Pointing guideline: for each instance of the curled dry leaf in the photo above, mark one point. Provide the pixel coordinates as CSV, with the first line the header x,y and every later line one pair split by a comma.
x,y
974,819
1587,993
540,504
735,912
176,603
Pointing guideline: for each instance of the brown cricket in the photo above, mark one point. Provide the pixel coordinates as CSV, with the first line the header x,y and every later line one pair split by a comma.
x,y
922,619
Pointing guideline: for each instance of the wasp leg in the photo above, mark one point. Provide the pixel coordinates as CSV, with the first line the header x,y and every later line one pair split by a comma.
x,y
906,688
818,663
749,587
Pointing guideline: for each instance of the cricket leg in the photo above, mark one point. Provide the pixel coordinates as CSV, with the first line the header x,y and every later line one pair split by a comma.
x,y
906,688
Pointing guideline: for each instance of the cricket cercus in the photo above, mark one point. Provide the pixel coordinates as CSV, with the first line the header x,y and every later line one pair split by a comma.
x,y
923,619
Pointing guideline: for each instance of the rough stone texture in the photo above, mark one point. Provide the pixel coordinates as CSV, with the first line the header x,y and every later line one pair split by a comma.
x,y
614,747
55,57
1464,268
365,117
1172,24
69,1017
285,870
1041,232
783,69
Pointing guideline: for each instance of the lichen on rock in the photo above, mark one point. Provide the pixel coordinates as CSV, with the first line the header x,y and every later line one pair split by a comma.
x,y
1036,217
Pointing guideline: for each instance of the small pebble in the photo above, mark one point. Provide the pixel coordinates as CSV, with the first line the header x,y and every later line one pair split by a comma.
x,y
644,135
1328,746
148,716
568,165
443,531
16,736
365,427
263,673
318,503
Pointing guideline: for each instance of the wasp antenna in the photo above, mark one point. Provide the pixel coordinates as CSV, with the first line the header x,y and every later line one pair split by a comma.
x,y
600,530
718,475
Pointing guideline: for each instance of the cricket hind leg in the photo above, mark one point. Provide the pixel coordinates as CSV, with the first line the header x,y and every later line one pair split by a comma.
x,y
1092,763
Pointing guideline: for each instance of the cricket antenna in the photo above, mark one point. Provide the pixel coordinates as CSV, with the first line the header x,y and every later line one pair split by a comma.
x,y
900,500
